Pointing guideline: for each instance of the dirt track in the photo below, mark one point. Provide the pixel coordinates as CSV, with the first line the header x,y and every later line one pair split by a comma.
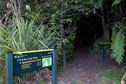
x,y
84,69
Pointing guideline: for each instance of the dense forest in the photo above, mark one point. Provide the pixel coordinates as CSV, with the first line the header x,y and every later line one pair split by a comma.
x,y
43,24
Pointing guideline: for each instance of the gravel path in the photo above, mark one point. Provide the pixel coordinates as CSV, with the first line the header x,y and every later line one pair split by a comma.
x,y
84,69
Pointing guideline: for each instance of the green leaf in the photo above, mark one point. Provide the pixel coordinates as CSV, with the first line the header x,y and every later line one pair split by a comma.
x,y
116,2
118,42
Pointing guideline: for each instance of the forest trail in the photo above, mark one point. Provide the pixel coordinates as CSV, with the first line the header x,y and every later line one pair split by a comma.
x,y
84,68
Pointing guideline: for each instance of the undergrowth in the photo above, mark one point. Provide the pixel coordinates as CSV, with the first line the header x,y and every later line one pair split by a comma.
x,y
111,76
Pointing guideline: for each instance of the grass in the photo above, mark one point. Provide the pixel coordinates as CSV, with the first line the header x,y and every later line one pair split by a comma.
x,y
111,76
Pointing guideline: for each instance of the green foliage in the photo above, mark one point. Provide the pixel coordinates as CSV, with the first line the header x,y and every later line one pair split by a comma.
x,y
2,70
118,42
41,30
69,40
2,5
97,3
40,82
112,75
96,48
116,2
54,13
26,36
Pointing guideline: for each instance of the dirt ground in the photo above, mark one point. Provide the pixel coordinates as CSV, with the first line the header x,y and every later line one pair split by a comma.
x,y
84,68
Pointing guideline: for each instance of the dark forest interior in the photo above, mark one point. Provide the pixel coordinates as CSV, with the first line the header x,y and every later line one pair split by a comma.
x,y
89,29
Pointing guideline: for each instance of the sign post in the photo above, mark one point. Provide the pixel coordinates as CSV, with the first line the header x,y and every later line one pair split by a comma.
x,y
20,63
54,69
9,68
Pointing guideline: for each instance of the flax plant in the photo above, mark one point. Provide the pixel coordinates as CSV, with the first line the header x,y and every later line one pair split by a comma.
x,y
25,36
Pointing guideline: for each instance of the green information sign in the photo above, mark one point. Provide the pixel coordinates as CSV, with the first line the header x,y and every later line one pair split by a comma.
x,y
25,62
47,62
21,63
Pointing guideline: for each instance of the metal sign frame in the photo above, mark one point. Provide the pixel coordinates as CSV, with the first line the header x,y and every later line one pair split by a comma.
x,y
10,67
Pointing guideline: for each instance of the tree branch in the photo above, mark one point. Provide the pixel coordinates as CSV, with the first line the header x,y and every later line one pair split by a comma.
x,y
6,15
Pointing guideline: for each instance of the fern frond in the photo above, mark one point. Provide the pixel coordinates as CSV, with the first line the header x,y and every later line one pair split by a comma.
x,y
118,43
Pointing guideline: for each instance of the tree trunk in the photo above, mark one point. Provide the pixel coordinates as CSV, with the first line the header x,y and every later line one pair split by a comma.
x,y
106,32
